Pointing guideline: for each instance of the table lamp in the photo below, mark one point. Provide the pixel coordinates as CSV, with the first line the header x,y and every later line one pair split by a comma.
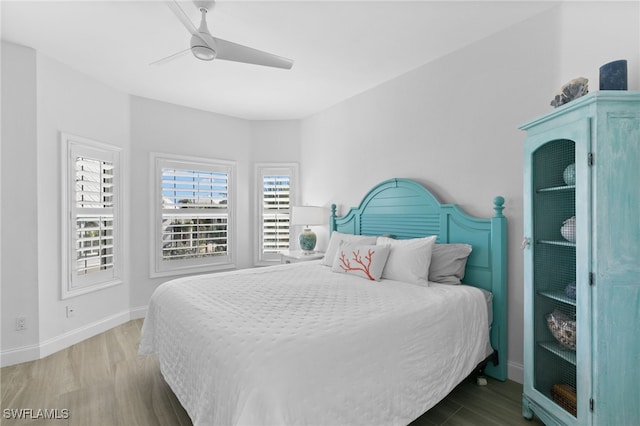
x,y
308,216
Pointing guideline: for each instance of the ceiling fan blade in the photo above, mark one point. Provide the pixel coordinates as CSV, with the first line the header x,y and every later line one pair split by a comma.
x,y
170,57
230,51
182,16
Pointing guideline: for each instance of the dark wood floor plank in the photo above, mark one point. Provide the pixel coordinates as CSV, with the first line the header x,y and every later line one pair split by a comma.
x,y
466,417
439,414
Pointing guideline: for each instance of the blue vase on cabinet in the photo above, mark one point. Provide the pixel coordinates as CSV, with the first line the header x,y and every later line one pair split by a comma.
x,y
595,379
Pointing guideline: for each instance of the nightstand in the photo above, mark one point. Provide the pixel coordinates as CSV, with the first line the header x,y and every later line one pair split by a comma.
x,y
295,256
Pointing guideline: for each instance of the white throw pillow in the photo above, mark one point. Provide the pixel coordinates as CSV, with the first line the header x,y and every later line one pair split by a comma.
x,y
364,261
408,260
337,238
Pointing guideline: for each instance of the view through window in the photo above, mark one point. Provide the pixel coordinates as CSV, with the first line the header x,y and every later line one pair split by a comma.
x,y
194,213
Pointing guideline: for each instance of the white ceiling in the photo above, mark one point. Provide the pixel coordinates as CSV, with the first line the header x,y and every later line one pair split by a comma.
x,y
340,48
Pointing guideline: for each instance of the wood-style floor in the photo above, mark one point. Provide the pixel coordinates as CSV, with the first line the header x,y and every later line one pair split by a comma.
x,y
103,381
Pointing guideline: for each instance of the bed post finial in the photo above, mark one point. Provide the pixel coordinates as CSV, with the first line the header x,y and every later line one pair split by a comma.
x,y
498,205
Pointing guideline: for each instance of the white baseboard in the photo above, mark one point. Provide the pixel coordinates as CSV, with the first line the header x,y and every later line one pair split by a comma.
x,y
20,354
72,337
137,313
515,372
63,341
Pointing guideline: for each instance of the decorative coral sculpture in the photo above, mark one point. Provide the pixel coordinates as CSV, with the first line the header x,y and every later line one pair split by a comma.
x,y
364,267
572,90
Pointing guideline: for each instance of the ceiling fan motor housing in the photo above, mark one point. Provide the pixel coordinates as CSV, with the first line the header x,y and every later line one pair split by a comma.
x,y
202,50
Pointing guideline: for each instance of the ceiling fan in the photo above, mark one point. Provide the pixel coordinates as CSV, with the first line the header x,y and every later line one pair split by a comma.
x,y
206,47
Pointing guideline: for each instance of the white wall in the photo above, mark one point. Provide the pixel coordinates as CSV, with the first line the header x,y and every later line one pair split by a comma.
x,y
452,124
19,189
275,141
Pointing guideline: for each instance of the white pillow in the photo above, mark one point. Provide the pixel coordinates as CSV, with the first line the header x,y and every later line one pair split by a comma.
x,y
365,261
408,259
337,238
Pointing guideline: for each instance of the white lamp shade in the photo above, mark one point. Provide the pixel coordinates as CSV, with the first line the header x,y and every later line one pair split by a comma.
x,y
308,215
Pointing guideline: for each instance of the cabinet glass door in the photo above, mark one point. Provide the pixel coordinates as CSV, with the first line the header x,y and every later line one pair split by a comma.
x,y
554,272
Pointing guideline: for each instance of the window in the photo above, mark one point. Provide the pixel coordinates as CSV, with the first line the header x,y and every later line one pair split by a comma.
x,y
276,185
193,227
91,215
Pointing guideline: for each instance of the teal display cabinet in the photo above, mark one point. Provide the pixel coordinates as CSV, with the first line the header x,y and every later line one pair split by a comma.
x,y
582,262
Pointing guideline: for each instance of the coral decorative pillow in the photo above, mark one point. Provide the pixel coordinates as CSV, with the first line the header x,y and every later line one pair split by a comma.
x,y
365,261
409,260
339,237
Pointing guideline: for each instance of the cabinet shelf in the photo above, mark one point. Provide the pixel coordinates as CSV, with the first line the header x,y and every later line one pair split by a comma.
x,y
557,188
559,296
557,243
559,350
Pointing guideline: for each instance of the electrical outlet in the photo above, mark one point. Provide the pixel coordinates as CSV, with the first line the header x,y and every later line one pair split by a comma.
x,y
21,323
71,311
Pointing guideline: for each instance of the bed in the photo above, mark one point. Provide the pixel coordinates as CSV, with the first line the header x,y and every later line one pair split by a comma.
x,y
310,343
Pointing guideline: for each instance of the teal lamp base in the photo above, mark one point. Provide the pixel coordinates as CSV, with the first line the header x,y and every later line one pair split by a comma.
x,y
308,241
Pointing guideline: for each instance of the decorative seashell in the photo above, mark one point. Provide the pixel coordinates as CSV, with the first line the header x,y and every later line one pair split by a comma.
x,y
569,174
572,90
570,290
562,328
568,229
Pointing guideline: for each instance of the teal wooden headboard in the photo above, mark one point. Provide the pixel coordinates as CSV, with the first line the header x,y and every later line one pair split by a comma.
x,y
403,208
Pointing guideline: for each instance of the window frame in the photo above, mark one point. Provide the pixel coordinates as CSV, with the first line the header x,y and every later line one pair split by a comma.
x,y
263,169
71,284
158,267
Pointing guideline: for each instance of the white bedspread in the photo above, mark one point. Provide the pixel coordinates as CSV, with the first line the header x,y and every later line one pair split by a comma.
x,y
300,345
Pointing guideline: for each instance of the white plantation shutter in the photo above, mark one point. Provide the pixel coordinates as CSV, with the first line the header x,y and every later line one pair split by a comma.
x,y
194,229
93,211
194,213
275,213
91,215
275,191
